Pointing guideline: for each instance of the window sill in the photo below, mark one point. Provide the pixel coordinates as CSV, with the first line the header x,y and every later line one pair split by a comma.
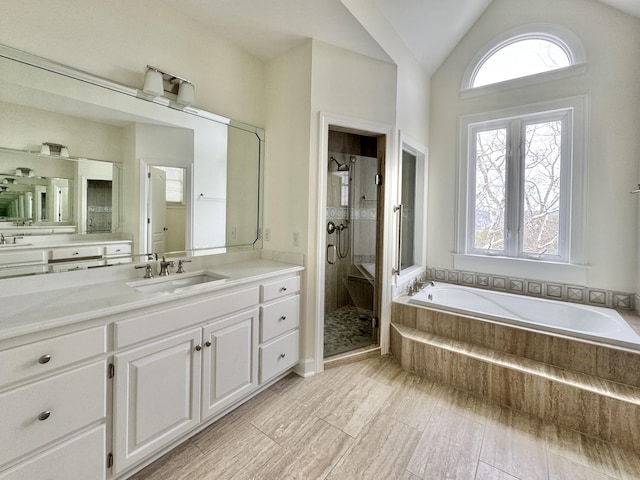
x,y
522,268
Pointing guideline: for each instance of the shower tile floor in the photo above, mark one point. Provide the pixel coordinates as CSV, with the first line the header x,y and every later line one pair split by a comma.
x,y
347,328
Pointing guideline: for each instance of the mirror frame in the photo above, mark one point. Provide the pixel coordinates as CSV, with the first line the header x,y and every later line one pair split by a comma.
x,y
149,105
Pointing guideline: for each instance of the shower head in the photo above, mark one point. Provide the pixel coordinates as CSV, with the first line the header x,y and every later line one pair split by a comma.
x,y
342,167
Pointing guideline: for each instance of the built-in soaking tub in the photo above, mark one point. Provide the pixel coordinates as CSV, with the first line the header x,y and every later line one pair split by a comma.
x,y
575,320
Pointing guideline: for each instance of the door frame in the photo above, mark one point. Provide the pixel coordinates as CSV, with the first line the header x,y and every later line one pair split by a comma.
x,y
143,169
362,127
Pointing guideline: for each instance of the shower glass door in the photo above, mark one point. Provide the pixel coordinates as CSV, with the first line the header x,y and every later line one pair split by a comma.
x,y
351,232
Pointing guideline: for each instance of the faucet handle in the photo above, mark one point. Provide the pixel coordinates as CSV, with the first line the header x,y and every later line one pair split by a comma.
x,y
180,266
148,272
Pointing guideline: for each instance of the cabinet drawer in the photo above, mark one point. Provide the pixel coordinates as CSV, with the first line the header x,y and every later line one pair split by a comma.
x,y
74,399
73,253
280,288
25,256
152,324
81,458
278,356
118,249
42,357
279,317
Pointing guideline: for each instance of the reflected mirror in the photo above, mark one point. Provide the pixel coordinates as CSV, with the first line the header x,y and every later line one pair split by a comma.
x,y
132,175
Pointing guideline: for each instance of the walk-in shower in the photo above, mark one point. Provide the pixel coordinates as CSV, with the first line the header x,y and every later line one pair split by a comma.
x,y
351,252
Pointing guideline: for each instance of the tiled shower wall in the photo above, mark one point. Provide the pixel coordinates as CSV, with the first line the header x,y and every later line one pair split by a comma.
x,y
551,290
336,294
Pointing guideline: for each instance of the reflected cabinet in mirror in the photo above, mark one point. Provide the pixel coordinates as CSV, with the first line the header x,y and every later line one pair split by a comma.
x,y
93,173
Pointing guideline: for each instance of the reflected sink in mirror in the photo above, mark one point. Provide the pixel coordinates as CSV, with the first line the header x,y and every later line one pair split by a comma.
x,y
176,282
14,245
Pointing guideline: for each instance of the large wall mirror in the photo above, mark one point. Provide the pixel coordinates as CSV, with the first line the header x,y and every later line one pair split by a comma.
x,y
111,175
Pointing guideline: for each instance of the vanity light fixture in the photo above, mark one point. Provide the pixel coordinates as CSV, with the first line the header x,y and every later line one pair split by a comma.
x,y
49,148
186,93
158,82
153,82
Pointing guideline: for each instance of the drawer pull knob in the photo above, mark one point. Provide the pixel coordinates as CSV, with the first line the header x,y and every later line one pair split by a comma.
x,y
282,355
198,348
283,317
44,359
207,343
44,415
283,289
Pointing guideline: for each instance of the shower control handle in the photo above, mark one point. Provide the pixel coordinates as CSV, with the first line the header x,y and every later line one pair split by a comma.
x,y
331,228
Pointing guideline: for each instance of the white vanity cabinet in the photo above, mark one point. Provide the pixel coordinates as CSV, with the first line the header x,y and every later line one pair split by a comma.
x,y
166,388
279,326
19,261
156,396
230,366
53,398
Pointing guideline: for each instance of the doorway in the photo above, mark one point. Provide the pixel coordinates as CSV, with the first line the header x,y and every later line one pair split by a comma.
x,y
99,206
353,229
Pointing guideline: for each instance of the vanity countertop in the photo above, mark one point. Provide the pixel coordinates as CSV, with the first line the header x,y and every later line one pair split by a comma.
x,y
32,243
55,307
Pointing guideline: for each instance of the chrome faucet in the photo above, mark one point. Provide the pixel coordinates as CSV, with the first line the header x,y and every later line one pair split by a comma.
x,y
148,272
164,267
180,267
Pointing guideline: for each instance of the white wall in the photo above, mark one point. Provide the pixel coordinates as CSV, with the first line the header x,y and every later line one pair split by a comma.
x,y
312,78
413,84
350,85
612,42
288,94
26,128
117,39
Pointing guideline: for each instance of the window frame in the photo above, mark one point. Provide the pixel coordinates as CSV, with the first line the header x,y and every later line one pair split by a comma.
x,y
556,34
514,189
573,258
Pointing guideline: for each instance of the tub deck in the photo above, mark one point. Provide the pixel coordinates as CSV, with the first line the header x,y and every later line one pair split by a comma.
x,y
591,388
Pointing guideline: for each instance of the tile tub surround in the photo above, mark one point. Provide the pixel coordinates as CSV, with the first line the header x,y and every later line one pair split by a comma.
x,y
598,297
593,389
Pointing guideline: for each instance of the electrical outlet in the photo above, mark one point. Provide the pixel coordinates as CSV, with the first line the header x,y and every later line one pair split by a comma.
x,y
296,239
267,234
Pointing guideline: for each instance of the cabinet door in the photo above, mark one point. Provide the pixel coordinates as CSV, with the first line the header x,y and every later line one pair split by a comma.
x,y
230,361
80,458
157,396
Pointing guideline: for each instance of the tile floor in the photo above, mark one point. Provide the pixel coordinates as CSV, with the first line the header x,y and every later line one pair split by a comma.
x,y
372,420
347,328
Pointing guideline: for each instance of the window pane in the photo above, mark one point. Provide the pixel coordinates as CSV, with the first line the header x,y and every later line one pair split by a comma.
x,y
174,184
520,59
490,193
409,174
542,157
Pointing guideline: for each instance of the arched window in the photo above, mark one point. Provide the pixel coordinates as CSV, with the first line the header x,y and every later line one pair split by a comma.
x,y
527,51
522,168
521,59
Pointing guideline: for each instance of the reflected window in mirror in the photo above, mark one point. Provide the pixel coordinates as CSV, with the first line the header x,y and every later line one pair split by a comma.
x,y
175,188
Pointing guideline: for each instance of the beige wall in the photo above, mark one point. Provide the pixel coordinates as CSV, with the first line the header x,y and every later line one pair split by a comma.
x,y
612,42
117,39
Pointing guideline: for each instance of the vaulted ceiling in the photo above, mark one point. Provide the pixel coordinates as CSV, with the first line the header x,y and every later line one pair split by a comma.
x,y
429,28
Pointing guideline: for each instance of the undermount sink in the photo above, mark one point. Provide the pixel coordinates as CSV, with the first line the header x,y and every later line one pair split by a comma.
x,y
175,282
